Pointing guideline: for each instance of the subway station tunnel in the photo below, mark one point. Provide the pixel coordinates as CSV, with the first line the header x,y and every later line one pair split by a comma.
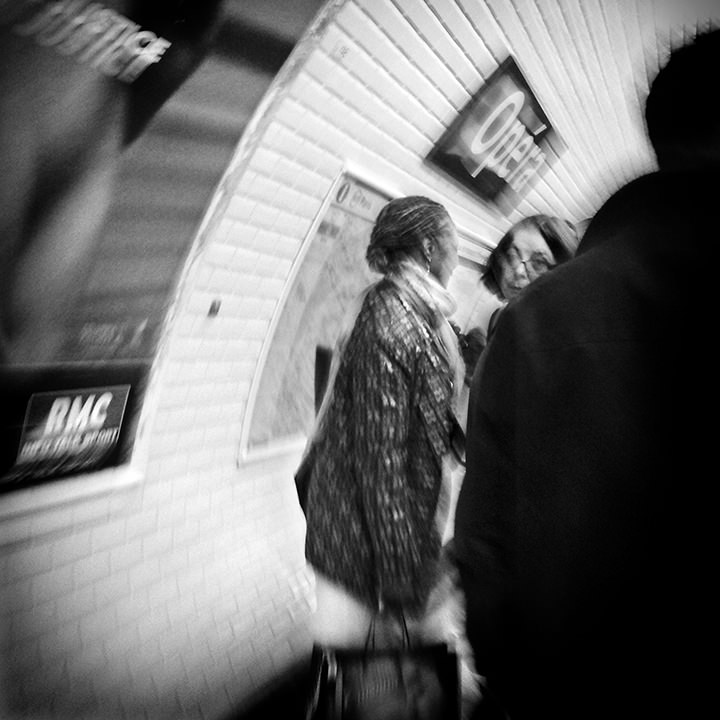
x,y
166,577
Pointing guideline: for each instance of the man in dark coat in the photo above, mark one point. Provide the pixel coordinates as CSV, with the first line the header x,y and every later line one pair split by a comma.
x,y
583,525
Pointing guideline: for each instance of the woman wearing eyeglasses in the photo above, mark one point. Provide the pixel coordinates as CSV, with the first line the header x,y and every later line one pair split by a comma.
x,y
529,249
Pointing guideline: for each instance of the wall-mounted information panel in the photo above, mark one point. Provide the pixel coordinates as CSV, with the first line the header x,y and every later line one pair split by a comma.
x,y
329,273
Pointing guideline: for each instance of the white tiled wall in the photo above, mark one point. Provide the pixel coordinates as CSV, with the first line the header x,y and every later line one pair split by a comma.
x,y
183,594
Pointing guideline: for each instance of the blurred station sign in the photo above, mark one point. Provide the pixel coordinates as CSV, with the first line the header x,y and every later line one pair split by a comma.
x,y
501,142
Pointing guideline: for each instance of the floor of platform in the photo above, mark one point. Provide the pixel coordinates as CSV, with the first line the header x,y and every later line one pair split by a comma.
x,y
287,699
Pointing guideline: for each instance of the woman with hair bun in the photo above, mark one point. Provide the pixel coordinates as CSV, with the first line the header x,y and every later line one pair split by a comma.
x,y
386,438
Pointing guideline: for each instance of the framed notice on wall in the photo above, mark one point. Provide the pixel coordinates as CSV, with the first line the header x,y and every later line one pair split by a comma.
x,y
329,273
501,142
70,431
62,420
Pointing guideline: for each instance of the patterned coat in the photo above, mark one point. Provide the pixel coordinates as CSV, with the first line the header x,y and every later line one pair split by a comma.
x,y
378,465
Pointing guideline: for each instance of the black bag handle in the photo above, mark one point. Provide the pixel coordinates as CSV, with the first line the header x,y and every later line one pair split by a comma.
x,y
370,637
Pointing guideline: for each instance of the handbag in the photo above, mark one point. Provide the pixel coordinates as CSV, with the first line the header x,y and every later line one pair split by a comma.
x,y
407,682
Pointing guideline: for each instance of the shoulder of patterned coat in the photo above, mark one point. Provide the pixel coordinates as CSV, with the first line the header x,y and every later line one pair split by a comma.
x,y
390,322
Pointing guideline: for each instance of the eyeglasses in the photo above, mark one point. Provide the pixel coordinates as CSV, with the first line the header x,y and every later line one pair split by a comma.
x,y
535,265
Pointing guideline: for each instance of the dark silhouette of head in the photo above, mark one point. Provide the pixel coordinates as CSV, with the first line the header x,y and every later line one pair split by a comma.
x,y
681,115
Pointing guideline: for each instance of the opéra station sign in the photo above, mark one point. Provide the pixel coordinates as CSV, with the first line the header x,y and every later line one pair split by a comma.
x,y
501,142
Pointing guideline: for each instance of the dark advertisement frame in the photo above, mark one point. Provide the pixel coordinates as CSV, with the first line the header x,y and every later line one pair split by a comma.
x,y
27,395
